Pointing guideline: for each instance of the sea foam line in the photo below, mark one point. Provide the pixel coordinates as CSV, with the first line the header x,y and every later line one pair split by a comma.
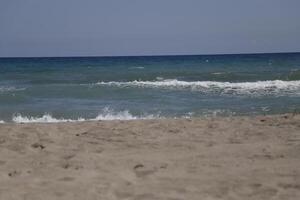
x,y
10,89
254,88
107,115
207,84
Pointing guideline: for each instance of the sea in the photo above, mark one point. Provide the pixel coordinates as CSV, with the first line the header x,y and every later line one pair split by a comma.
x,y
61,89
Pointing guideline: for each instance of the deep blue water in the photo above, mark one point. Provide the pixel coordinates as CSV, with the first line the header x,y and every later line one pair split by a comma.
x,y
153,86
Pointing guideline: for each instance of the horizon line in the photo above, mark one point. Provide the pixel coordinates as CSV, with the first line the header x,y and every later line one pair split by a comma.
x,y
149,55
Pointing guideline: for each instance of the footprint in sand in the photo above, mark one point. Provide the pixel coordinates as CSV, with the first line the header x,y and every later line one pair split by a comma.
x,y
143,170
14,173
38,146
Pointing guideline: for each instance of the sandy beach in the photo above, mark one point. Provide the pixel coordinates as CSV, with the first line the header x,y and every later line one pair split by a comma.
x,y
199,158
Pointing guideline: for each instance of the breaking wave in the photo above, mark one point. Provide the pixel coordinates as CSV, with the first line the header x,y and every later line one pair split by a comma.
x,y
106,115
258,87
10,89
46,118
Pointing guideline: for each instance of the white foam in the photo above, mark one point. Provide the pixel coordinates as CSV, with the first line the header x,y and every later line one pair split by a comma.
x,y
10,88
207,84
266,87
107,115
2,122
46,118
218,73
218,112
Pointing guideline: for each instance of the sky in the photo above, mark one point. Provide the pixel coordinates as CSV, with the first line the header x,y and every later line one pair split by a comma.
x,y
147,27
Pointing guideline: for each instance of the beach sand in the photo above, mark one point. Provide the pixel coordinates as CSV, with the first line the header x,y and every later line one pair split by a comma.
x,y
199,158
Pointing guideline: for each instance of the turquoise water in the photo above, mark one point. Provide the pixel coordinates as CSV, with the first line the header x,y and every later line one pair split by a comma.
x,y
94,88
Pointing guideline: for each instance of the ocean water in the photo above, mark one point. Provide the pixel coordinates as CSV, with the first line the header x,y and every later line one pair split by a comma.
x,y
107,88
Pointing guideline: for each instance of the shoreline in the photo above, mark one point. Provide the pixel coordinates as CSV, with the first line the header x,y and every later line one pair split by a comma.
x,y
236,157
204,117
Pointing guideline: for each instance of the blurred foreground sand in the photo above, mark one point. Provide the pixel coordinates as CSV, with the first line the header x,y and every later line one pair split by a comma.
x,y
210,158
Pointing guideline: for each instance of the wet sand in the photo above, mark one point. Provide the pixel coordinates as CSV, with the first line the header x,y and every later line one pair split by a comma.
x,y
210,158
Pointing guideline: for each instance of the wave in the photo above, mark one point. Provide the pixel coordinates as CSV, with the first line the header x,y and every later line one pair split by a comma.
x,y
218,73
107,115
46,118
10,89
263,87
207,84
136,67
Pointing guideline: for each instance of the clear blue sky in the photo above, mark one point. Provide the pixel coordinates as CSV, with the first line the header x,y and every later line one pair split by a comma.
x,y
147,27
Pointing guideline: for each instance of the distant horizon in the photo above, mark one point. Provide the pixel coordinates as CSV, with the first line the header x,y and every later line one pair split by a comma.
x,y
148,55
